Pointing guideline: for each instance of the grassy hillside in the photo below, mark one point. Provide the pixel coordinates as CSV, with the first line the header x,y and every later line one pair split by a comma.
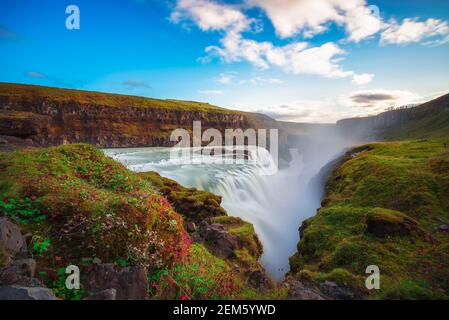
x,y
428,120
385,205
29,93
84,208
436,125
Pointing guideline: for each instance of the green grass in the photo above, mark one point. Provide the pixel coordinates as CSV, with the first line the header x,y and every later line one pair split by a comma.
x,y
83,206
250,249
436,126
195,205
200,276
382,208
429,120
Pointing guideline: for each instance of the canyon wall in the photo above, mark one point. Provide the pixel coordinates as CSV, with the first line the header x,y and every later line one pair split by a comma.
x,y
50,116
417,121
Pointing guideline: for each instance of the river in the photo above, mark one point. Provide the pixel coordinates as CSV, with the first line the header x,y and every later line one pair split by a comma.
x,y
276,204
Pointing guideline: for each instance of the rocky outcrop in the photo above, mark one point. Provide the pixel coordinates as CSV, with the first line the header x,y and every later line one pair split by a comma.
x,y
108,294
222,242
193,204
50,116
299,290
11,240
17,269
25,293
107,282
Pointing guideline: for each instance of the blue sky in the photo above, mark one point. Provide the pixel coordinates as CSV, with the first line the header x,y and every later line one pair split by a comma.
x,y
303,60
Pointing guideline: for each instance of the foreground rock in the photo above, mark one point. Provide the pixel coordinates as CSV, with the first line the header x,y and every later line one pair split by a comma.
x,y
222,242
298,290
107,282
11,240
17,271
24,293
108,294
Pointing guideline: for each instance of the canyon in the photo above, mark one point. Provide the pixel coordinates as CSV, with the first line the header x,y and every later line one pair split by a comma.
x,y
329,183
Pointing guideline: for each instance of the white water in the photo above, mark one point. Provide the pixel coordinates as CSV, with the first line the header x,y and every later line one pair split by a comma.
x,y
275,204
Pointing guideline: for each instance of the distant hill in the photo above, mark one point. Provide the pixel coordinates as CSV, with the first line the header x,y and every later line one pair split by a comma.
x,y
428,120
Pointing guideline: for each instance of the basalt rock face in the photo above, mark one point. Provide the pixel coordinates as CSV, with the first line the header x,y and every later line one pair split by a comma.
x,y
50,116
418,121
367,127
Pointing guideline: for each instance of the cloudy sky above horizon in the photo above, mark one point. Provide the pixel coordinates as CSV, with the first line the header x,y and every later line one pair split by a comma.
x,y
295,60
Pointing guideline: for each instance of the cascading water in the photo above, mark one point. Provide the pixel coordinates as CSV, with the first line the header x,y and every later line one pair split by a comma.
x,y
275,204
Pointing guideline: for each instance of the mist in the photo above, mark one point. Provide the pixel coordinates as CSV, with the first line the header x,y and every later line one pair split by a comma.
x,y
275,204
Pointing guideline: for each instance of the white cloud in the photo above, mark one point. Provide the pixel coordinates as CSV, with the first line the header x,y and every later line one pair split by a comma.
x,y
413,31
34,74
211,92
297,57
209,15
310,17
226,78
362,79
231,78
380,99
262,80
332,109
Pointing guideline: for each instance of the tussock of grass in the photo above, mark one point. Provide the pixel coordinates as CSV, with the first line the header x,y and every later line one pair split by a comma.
x,y
195,205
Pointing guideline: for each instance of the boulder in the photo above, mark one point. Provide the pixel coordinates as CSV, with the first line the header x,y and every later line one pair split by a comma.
x,y
334,291
23,252
130,283
108,294
303,293
259,280
20,272
443,228
219,240
390,223
11,240
299,290
25,293
384,223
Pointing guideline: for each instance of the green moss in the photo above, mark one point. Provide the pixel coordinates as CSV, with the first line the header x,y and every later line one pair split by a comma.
x,y
411,290
87,206
19,93
382,208
195,205
245,233
201,276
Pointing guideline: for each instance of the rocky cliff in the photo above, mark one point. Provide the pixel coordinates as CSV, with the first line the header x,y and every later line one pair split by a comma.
x,y
52,116
416,122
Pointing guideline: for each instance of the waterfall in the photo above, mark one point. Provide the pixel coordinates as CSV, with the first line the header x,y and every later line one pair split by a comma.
x,y
276,204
